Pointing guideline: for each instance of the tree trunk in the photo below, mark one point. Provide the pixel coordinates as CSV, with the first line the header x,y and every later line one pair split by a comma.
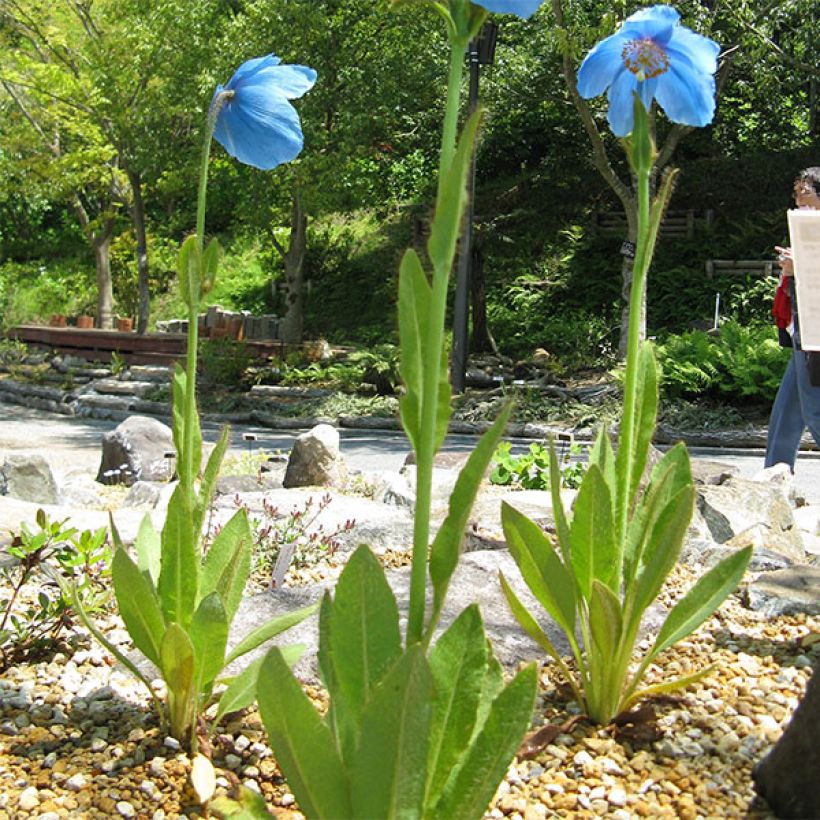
x,y
481,340
290,330
138,220
102,259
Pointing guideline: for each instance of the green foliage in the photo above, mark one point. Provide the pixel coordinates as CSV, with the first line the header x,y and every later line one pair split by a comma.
x,y
604,575
738,363
224,363
44,557
531,470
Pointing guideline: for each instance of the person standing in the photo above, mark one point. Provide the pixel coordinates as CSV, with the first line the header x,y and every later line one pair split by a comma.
x,y
797,404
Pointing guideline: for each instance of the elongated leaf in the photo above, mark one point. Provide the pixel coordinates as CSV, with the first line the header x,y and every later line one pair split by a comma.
x,y
669,476
149,549
702,600
228,563
180,386
115,533
211,473
446,227
558,511
458,663
274,627
594,550
490,689
545,575
209,636
304,746
468,793
210,264
663,548
601,454
179,573
138,606
447,543
364,638
188,265
389,770
667,686
178,411
605,620
525,618
241,689
177,660
414,311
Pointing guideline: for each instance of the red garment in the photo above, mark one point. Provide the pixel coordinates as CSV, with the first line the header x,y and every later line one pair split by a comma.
x,y
782,307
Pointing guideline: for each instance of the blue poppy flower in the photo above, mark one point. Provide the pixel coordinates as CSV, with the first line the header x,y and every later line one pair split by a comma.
x,y
254,120
521,8
659,59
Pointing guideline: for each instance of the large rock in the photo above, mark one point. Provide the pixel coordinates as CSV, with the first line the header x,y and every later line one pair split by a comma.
x,y
754,512
136,451
788,776
315,460
29,478
789,591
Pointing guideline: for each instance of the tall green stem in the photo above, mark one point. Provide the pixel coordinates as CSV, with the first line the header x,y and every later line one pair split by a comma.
x,y
432,371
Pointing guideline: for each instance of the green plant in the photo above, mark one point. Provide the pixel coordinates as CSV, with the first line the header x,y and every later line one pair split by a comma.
x,y
380,367
176,603
118,365
531,469
224,362
12,352
411,730
621,542
51,554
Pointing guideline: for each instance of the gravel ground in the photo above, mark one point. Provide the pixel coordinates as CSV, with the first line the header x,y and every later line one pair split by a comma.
x,y
78,739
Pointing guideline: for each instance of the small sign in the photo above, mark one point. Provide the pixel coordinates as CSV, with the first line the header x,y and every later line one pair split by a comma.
x,y
628,249
804,228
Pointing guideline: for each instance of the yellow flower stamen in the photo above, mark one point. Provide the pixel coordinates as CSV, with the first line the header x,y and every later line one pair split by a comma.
x,y
645,58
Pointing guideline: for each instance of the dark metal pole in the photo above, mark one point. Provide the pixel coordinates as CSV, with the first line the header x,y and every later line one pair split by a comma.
x,y
458,363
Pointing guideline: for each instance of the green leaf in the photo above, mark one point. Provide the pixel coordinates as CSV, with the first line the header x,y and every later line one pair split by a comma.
x,y
364,639
240,690
558,512
669,476
149,549
388,772
525,618
458,663
485,764
179,573
188,266
177,661
414,310
179,386
702,600
210,265
138,606
593,547
663,547
303,744
228,563
211,473
447,543
249,806
601,454
667,686
446,227
491,688
605,620
209,636
274,627
545,575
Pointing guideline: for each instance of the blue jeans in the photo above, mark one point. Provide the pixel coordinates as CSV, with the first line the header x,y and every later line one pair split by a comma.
x,y
796,407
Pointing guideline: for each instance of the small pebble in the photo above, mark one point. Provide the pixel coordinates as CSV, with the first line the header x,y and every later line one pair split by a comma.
x,y
125,809
76,782
29,799
171,743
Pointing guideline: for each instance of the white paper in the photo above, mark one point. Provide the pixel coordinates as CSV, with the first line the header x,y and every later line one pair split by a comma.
x,y
804,227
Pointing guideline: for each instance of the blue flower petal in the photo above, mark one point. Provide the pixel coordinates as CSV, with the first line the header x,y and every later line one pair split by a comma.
x,y
621,114
601,66
292,81
657,22
250,67
687,96
700,50
256,123
521,8
263,130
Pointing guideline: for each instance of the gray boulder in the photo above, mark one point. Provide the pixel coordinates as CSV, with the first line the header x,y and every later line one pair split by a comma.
x,y
787,776
29,478
753,512
315,460
789,591
136,451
